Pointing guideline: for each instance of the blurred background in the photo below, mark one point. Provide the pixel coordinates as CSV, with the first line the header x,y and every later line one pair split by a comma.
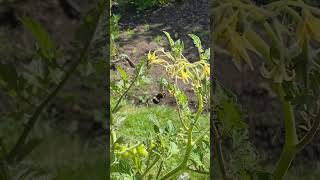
x,y
40,41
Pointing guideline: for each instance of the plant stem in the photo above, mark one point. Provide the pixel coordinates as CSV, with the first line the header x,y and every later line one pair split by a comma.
x,y
115,108
183,164
218,152
198,171
113,136
148,168
291,139
284,162
181,118
159,170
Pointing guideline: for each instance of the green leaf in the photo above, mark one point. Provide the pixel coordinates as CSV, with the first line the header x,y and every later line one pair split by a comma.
x,y
47,47
197,42
171,42
123,73
230,116
238,47
173,148
258,43
206,55
90,22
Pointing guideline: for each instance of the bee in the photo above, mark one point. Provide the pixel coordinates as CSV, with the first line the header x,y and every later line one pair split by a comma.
x,y
158,97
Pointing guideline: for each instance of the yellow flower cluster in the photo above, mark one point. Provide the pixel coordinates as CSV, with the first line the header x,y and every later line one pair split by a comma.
x,y
181,68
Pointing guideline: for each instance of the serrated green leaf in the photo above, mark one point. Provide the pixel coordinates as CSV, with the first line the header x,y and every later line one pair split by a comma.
x,y
197,42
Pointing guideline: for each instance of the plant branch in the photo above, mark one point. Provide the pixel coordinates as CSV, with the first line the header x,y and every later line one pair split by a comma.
x,y
289,150
198,171
159,170
218,152
290,126
33,119
183,164
126,91
148,168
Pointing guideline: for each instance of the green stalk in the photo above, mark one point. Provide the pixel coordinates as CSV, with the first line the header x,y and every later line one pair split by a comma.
x,y
291,139
287,155
183,164
159,170
190,144
113,136
150,167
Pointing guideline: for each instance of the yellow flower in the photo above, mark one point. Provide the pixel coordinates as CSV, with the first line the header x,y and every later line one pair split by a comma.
x,y
152,57
206,70
184,76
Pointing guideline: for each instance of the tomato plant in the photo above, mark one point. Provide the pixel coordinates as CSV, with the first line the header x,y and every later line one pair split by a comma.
x,y
285,37
152,157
